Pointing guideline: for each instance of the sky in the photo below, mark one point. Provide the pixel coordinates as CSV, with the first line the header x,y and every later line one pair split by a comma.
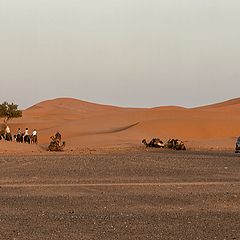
x,y
135,53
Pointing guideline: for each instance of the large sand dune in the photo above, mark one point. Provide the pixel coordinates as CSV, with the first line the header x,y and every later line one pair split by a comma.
x,y
85,124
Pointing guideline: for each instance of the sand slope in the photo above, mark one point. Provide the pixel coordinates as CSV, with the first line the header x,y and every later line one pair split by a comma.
x,y
84,124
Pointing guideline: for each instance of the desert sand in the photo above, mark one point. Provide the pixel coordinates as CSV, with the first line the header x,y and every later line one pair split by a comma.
x,y
146,194
107,185
89,125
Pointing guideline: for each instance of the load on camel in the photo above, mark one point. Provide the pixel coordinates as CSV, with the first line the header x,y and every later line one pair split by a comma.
x,y
175,144
55,144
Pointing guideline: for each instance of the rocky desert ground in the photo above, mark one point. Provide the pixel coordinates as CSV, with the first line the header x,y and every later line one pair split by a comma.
x,y
140,194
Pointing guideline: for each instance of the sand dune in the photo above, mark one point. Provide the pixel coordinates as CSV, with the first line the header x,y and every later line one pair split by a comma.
x,y
229,105
84,124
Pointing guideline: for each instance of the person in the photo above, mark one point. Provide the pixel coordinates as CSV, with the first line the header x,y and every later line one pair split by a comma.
x,y
8,130
19,137
34,136
34,133
26,132
19,132
58,136
8,134
26,137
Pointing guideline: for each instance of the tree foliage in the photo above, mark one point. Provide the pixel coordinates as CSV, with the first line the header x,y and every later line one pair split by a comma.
x,y
8,111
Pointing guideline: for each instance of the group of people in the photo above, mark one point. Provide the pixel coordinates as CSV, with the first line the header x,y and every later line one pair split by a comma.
x,y
20,136
25,136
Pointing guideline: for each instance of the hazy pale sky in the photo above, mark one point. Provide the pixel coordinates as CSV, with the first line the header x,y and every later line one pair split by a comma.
x,y
140,53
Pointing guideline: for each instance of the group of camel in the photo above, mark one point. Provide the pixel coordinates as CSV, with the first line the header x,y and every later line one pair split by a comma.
x,y
56,143
19,138
175,144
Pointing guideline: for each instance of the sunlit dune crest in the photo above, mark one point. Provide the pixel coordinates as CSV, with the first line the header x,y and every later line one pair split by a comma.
x,y
233,104
70,103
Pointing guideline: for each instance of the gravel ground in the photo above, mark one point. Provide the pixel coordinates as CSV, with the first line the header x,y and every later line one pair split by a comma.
x,y
148,194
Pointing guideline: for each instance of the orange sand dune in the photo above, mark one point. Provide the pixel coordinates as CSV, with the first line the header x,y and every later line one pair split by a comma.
x,y
230,105
84,124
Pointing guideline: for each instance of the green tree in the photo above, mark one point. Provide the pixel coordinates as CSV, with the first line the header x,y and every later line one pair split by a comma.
x,y
9,111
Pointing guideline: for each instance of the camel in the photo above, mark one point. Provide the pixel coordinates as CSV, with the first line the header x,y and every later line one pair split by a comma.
x,y
27,139
2,131
2,136
55,144
170,143
155,142
180,145
33,139
175,144
19,137
8,137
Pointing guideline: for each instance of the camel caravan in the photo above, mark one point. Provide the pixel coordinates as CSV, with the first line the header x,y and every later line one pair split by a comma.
x,y
174,144
56,143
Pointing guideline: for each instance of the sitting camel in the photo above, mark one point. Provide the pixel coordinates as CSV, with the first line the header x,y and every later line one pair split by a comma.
x,y
175,144
55,144
155,142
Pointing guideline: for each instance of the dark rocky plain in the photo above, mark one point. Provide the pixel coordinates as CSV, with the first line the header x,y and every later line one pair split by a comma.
x,y
139,195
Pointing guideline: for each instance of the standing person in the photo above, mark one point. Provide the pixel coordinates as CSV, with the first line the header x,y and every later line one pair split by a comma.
x,y
34,136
